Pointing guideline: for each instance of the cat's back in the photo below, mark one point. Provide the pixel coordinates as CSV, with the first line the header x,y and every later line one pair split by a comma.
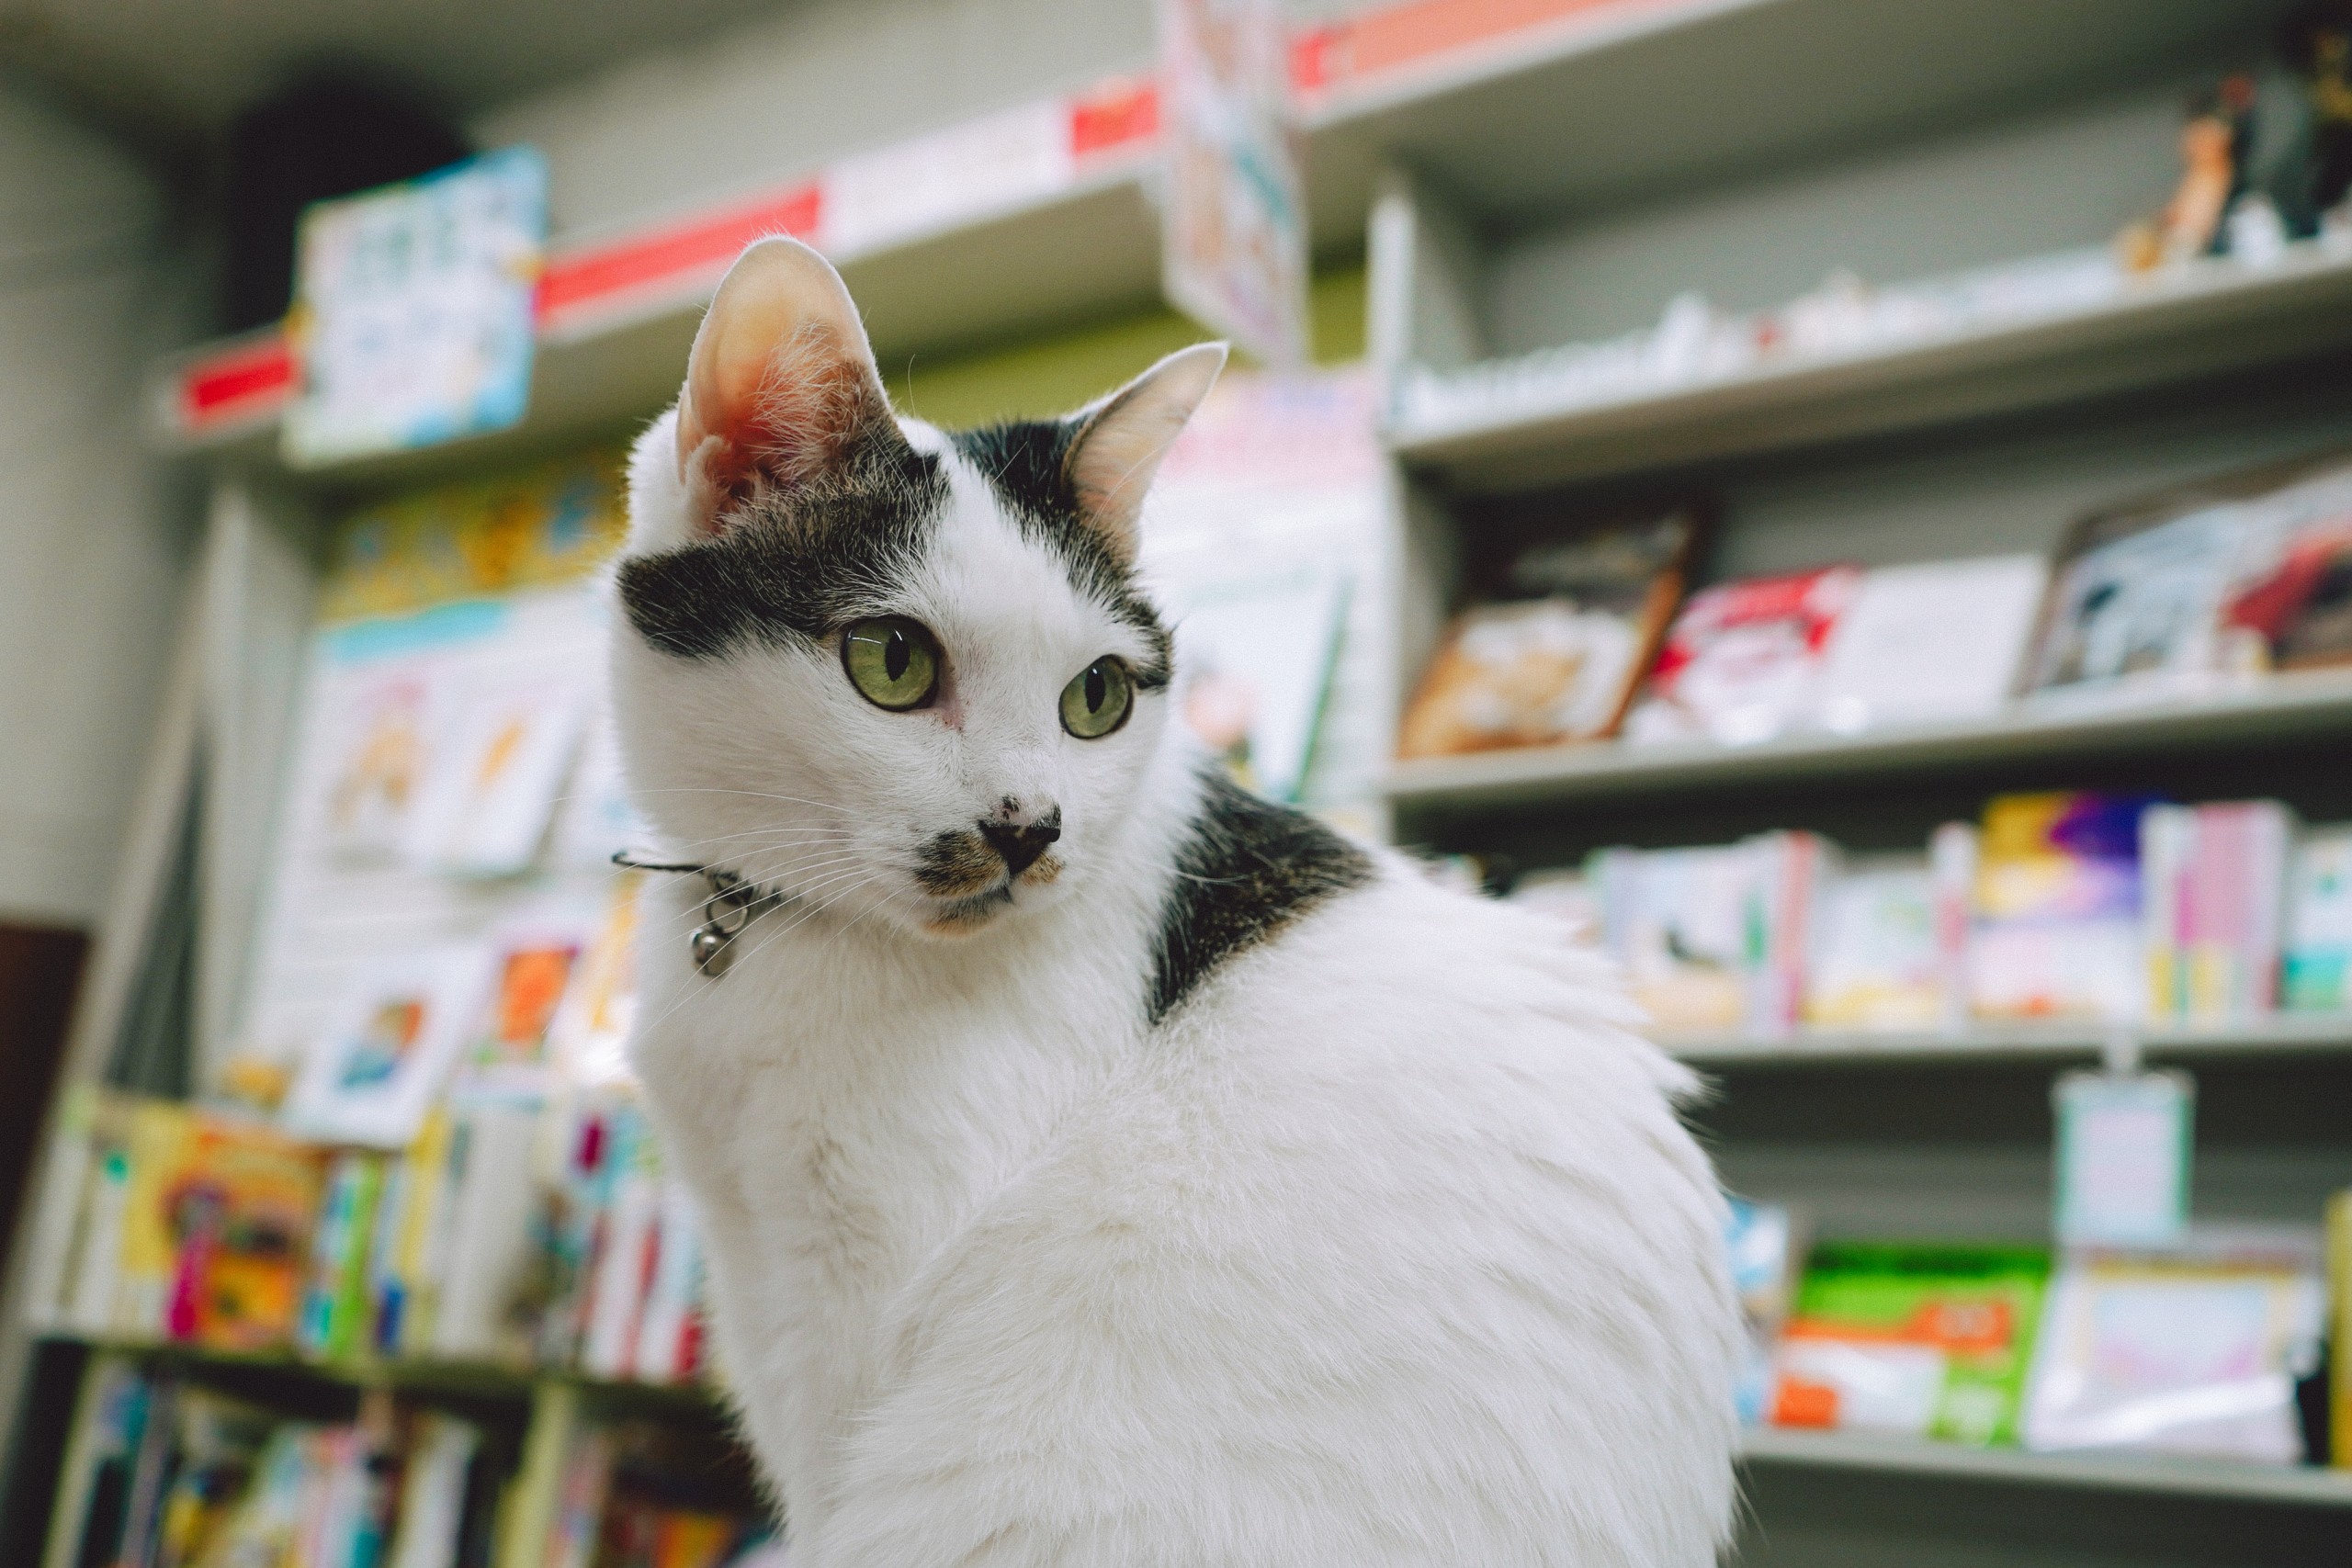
x,y
1388,1248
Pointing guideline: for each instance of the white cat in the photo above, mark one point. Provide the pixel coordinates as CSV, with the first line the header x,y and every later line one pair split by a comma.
x,y
1101,1167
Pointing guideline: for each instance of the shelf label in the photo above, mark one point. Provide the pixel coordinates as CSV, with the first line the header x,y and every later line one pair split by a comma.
x,y
2122,1160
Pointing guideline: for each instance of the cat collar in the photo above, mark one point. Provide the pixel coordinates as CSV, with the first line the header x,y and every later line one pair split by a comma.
x,y
731,905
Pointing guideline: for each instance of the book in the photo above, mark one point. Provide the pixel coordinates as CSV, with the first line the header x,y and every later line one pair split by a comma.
x,y
94,1483
479,1266
1936,641
1715,938
2192,1350
534,964
2056,928
430,1532
489,796
147,1263
241,1206
1879,959
2315,971
1918,1340
1568,623
1746,661
333,1322
1767,1249
2213,880
371,1075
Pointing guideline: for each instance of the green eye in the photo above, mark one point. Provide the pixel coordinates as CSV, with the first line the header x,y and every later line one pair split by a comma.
x,y
893,662
1097,702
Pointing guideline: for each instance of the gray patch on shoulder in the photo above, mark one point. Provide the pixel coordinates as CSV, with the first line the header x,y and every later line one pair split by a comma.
x,y
1248,870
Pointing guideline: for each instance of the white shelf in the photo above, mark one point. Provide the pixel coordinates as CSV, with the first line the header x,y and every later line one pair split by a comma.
x,y
2295,1033
2166,1474
1568,113
2276,710
2204,318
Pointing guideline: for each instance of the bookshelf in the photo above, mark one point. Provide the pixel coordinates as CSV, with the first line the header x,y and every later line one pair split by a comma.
x,y
1911,139
1489,258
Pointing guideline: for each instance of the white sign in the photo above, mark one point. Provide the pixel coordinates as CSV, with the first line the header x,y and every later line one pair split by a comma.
x,y
2123,1148
900,193
1233,239
413,322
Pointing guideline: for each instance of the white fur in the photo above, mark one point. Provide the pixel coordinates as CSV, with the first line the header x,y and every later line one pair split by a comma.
x,y
1387,1247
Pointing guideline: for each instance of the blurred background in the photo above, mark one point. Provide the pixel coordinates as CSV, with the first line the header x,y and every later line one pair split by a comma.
x,y
1846,504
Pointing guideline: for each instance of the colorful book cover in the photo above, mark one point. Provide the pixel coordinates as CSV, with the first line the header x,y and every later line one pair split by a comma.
x,y
334,1297
374,1071
1572,620
495,773
1767,1249
2317,970
162,1143
242,1208
2215,884
534,964
1743,661
1681,923
1878,960
1920,1340
2057,928
2178,1352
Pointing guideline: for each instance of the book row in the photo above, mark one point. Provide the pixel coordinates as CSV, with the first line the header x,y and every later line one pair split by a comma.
x,y
513,1234
2109,908
162,1472
1582,632
2214,1347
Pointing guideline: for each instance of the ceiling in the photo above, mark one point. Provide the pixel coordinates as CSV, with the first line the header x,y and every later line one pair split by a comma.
x,y
171,72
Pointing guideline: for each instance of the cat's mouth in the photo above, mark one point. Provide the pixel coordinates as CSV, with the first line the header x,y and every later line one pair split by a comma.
x,y
964,904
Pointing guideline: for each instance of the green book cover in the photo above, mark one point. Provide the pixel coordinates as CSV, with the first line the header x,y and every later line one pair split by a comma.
x,y
1931,1340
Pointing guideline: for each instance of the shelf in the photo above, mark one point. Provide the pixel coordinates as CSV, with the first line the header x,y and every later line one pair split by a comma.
x,y
1521,107
2168,1475
485,1379
2292,1034
2278,708
2202,319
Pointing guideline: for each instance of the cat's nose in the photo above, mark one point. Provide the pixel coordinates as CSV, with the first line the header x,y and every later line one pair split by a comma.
x,y
1022,842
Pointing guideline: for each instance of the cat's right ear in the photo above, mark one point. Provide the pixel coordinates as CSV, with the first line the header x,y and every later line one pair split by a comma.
x,y
781,385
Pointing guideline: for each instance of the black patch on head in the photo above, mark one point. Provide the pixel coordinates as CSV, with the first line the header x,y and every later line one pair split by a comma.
x,y
793,563
1027,462
1248,869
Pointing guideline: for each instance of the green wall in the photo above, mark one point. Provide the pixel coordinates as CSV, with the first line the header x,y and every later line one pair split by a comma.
x,y
1053,375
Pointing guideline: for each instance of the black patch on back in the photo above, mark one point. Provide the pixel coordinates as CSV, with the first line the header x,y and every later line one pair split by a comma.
x,y
1026,463
791,564
1248,870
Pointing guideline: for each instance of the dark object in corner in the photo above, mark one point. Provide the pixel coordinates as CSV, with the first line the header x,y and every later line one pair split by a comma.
x,y
327,136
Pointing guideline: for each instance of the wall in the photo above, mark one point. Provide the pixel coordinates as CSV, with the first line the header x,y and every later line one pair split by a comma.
x,y
90,567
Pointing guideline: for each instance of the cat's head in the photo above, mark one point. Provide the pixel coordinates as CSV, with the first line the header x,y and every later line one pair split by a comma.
x,y
896,673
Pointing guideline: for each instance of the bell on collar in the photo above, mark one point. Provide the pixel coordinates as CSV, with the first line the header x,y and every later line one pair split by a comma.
x,y
714,951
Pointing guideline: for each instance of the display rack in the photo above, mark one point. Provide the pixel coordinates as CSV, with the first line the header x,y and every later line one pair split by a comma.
x,y
1484,252
1485,147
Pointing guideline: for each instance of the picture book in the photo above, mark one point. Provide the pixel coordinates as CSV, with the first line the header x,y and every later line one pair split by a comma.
x,y
534,960
1745,660
241,1207
1714,939
1766,1245
1936,641
1918,1340
1566,625
2213,880
377,772
2192,1351
1257,641
492,787
2316,968
1879,959
2057,917
370,1075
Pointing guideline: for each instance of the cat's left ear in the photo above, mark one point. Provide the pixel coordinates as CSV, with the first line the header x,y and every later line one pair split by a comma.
x,y
1121,440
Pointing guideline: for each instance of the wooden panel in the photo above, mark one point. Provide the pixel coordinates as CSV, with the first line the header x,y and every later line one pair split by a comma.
x,y
41,971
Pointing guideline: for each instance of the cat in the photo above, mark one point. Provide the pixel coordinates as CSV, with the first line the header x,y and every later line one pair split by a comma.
x,y
1099,1165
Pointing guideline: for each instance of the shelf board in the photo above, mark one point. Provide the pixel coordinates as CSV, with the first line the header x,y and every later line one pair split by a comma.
x,y
1655,94
2175,1475
2299,706
489,1379
2294,1034
2204,318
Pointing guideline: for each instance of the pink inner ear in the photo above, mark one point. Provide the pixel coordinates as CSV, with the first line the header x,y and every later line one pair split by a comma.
x,y
780,384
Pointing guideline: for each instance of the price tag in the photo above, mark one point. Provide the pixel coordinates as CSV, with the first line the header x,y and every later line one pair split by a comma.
x,y
2123,1149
